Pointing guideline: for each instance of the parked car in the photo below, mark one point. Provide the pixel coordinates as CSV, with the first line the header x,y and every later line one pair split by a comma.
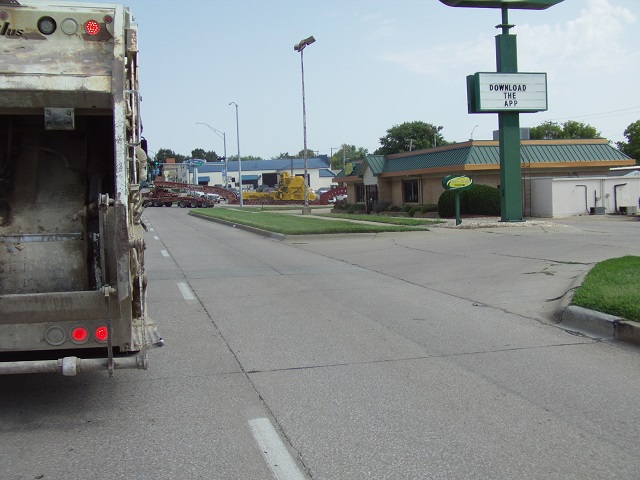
x,y
337,198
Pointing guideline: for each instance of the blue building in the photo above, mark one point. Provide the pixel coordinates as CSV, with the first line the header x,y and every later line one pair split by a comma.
x,y
256,172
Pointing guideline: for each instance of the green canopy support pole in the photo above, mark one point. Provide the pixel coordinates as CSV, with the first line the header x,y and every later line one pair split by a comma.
x,y
509,126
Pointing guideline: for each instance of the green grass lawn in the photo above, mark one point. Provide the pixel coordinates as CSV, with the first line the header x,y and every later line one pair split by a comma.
x,y
296,224
414,222
613,287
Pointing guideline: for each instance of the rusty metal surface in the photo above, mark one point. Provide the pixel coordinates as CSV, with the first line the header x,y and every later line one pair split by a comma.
x,y
55,71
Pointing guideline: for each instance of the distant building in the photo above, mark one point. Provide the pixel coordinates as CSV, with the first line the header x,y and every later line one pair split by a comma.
x,y
257,172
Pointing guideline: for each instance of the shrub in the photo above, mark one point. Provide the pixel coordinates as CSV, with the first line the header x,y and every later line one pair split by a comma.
x,y
353,208
409,209
380,206
483,200
341,205
394,208
478,200
447,205
428,208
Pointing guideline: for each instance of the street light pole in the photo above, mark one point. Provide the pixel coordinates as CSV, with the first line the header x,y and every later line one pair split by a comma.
x,y
239,159
224,141
474,129
300,48
344,156
435,137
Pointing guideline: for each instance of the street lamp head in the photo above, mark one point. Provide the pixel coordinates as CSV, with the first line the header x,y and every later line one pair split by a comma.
x,y
303,43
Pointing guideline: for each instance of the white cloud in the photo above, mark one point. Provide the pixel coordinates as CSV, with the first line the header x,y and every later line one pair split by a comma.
x,y
451,59
593,41
378,27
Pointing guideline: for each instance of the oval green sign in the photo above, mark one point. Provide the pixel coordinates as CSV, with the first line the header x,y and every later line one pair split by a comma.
x,y
457,182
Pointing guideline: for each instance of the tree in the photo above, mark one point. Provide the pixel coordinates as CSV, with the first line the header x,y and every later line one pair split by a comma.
x,y
244,157
208,156
212,157
347,153
546,131
570,130
198,153
164,153
310,154
632,146
284,156
410,136
575,130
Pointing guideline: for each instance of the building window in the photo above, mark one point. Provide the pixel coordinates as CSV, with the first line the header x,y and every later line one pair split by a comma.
x,y
360,197
410,191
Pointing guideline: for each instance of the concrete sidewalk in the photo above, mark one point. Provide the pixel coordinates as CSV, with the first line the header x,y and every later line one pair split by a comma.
x,y
574,318
530,268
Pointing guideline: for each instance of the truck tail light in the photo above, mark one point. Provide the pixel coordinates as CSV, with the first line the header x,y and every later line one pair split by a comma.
x,y
79,335
92,27
102,333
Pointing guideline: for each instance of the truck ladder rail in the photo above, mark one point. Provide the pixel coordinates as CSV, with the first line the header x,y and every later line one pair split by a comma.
x,y
107,290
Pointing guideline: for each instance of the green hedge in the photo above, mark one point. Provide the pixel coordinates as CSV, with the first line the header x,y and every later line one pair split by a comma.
x,y
478,200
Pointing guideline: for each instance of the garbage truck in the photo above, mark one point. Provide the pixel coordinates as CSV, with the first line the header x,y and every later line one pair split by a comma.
x,y
72,165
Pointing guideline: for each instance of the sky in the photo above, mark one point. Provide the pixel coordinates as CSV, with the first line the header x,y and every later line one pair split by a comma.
x,y
375,64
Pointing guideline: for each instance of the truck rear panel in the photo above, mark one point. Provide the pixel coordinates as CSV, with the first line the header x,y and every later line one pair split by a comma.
x,y
71,164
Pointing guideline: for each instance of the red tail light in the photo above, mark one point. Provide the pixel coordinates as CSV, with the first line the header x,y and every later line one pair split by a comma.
x,y
92,27
80,334
102,333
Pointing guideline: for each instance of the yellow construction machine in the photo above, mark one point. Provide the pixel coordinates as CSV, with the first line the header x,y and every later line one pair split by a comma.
x,y
290,189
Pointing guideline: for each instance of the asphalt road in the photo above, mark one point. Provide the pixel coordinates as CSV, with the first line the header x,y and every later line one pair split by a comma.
x,y
416,355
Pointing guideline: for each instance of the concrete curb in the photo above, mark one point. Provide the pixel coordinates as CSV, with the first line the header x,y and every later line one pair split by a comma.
x,y
600,324
593,323
257,231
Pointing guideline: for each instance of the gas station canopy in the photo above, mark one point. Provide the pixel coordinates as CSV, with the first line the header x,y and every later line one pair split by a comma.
x,y
518,4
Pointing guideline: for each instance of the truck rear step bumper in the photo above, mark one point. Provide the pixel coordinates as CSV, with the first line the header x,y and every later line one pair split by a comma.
x,y
71,366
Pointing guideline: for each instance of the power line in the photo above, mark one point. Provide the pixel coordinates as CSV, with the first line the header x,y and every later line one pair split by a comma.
x,y
608,114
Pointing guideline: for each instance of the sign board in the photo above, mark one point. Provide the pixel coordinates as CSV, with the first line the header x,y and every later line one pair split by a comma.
x,y
457,182
519,4
507,92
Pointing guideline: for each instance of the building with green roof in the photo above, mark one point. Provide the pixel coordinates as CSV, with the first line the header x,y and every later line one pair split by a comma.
x,y
416,177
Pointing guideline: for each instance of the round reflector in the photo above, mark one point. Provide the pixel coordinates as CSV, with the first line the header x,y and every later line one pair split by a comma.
x,y
79,334
92,27
108,19
3,15
47,25
102,333
69,26
55,336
